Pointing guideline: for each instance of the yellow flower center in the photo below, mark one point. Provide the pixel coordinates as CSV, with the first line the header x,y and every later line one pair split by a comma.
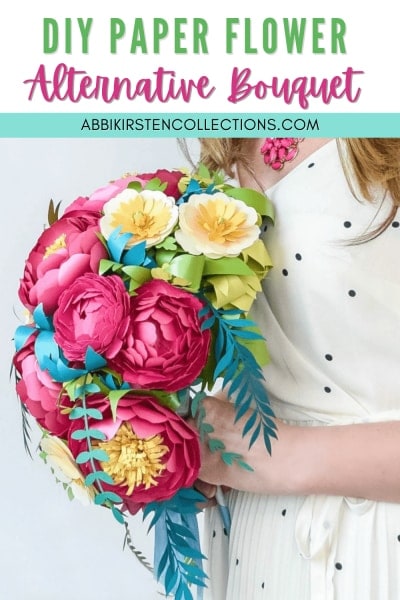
x,y
144,218
56,245
134,461
222,221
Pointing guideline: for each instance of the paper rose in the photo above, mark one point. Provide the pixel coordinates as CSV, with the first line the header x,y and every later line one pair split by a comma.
x,y
93,311
216,225
60,459
165,347
63,252
39,393
152,451
171,178
148,215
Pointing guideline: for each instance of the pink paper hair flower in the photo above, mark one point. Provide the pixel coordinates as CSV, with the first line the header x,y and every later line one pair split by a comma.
x,y
152,451
67,249
93,311
165,347
40,394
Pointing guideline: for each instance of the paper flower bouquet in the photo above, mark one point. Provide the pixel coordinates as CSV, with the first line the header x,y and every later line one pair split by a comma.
x,y
137,300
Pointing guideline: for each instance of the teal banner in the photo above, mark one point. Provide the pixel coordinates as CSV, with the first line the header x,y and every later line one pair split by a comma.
x,y
181,125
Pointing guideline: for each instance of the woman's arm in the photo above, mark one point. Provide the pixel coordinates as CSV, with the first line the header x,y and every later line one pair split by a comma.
x,y
360,460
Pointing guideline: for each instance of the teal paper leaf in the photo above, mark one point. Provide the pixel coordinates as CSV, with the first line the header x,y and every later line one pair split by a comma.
x,y
242,375
104,497
97,476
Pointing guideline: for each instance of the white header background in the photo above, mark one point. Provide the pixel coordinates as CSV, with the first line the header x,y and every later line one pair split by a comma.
x,y
371,45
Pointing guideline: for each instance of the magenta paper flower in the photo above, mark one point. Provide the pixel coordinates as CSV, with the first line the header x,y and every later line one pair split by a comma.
x,y
165,347
39,393
171,178
64,251
93,311
152,451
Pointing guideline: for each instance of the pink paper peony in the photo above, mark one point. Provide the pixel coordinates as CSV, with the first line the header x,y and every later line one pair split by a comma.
x,y
95,202
64,251
165,347
153,452
93,311
39,393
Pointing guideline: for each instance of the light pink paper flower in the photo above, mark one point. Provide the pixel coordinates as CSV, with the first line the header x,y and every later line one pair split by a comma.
x,y
165,347
93,311
149,216
152,451
39,393
64,251
96,200
216,225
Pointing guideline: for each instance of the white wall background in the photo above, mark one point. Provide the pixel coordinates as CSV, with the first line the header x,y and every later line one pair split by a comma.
x,y
51,548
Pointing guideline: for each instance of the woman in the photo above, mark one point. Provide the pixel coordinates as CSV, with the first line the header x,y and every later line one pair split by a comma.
x,y
320,518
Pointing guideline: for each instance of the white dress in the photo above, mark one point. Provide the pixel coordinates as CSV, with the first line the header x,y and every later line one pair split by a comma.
x,y
331,316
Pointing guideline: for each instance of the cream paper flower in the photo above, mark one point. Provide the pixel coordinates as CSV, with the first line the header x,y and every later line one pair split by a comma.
x,y
63,464
148,215
216,225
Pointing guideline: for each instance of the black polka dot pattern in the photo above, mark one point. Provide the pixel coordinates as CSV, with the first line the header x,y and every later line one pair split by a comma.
x,y
237,562
298,256
338,566
285,272
284,512
214,534
327,389
352,293
263,585
395,224
347,224
398,538
311,165
328,357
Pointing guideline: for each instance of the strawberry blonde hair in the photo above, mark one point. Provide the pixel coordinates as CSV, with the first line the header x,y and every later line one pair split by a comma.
x,y
370,164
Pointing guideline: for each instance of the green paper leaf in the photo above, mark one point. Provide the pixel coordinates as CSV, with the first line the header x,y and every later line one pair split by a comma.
x,y
260,202
155,184
169,244
106,265
135,185
53,212
114,397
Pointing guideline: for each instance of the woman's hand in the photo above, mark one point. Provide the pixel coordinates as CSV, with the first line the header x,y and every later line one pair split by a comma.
x,y
360,460
263,479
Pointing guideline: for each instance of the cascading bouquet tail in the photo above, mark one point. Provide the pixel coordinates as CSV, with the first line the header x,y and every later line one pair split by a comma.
x,y
138,297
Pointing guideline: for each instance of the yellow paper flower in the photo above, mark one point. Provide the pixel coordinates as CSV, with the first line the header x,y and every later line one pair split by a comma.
x,y
63,464
148,215
216,225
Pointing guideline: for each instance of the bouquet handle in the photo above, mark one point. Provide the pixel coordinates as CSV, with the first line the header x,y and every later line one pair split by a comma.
x,y
223,509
